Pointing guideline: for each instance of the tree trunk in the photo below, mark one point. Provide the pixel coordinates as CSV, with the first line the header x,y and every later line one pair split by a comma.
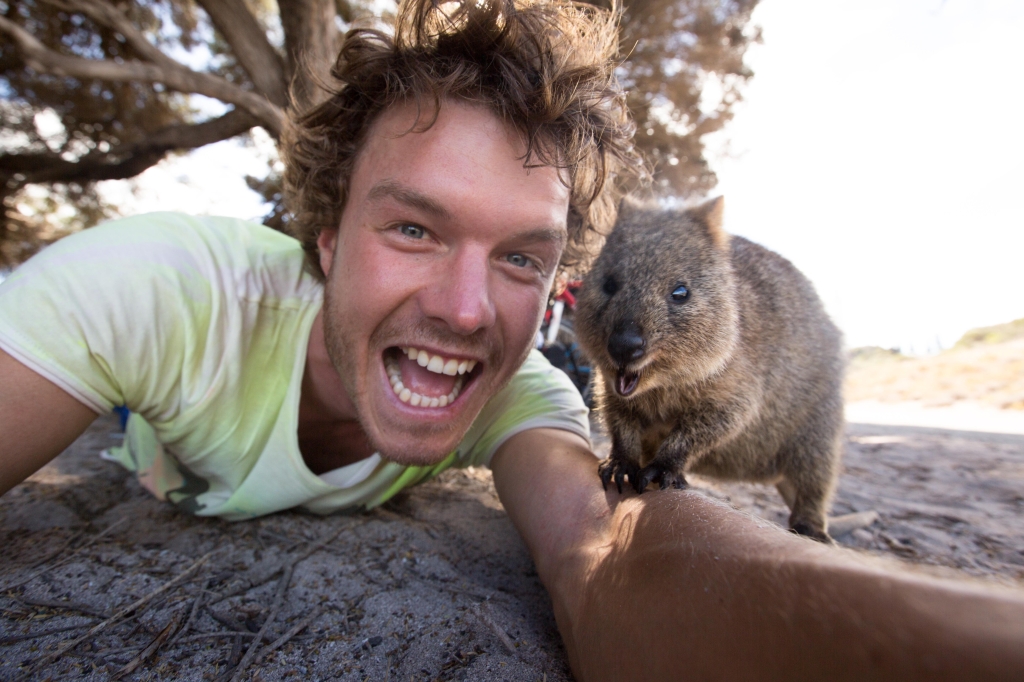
x,y
311,37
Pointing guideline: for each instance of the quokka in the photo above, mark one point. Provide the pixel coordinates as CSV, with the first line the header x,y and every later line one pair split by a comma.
x,y
713,355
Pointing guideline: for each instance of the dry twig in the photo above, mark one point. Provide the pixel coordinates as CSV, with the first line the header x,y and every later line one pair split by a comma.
x,y
193,614
65,605
66,559
12,639
55,552
117,617
148,652
483,613
250,654
292,631
269,574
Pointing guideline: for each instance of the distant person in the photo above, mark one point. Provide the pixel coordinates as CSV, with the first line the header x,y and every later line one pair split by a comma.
x,y
460,166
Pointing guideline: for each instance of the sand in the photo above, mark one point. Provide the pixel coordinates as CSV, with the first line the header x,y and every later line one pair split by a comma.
x,y
434,586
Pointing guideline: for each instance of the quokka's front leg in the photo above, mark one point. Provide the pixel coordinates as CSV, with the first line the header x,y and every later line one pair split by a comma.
x,y
624,459
698,431
666,469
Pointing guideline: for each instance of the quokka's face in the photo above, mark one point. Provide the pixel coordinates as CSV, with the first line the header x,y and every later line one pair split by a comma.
x,y
658,307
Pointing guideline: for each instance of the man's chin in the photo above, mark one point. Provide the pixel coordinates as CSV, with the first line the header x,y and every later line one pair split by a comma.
x,y
415,457
414,445
411,442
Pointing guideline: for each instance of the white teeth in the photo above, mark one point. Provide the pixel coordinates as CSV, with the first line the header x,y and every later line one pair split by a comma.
x,y
437,364
417,400
433,363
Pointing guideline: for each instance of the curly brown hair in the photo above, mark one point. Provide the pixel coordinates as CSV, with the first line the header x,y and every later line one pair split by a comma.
x,y
545,67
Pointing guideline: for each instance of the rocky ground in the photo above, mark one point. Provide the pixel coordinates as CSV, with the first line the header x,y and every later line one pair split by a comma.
x,y
99,581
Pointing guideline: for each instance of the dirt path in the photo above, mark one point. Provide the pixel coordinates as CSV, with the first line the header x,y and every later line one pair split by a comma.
x,y
436,585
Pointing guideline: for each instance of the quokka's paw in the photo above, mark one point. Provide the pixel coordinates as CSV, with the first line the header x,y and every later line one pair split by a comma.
x,y
658,473
809,531
618,469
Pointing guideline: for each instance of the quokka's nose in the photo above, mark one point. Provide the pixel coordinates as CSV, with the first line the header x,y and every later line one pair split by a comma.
x,y
626,343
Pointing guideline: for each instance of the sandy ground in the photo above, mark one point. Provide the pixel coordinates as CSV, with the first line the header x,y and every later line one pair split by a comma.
x,y
434,586
976,372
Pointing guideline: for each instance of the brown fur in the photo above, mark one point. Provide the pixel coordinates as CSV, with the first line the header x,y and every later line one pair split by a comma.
x,y
741,380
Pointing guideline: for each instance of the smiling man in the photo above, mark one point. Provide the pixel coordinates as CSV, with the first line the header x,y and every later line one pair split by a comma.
x,y
438,275
460,166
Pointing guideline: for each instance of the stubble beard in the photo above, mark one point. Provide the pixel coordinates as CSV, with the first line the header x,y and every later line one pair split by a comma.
x,y
343,354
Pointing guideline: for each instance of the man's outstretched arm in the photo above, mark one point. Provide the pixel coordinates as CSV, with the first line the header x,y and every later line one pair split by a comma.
x,y
38,420
672,585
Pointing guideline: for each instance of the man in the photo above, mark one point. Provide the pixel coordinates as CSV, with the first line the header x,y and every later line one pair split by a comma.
x,y
462,164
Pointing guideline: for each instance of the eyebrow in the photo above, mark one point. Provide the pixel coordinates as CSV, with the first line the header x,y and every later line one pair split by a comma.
x,y
392,189
543,234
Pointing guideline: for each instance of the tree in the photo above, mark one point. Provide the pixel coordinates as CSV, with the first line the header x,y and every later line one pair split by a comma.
x,y
95,90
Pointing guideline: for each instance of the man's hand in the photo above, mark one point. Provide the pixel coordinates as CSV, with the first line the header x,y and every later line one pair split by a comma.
x,y
672,585
37,421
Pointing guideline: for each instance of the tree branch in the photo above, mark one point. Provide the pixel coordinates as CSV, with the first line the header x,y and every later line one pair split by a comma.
x,y
109,16
250,46
176,77
125,161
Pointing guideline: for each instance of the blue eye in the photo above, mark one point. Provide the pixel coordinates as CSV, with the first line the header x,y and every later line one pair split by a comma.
x,y
412,231
518,260
680,294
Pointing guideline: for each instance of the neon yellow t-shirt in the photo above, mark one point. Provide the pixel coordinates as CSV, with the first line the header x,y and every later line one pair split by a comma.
x,y
199,326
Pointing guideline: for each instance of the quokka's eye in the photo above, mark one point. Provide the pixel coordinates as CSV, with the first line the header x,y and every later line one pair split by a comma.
x,y
610,286
680,294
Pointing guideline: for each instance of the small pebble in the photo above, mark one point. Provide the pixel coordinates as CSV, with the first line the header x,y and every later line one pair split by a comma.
x,y
861,535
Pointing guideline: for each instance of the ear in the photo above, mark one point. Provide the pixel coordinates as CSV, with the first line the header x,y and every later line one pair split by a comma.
x,y
709,214
326,241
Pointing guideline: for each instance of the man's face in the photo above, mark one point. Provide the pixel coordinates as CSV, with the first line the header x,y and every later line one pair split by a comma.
x,y
438,274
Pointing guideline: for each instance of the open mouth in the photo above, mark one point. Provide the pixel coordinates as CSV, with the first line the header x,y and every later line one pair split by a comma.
x,y
427,380
626,381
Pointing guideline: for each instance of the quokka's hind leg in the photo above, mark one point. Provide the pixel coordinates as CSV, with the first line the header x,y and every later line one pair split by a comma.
x,y
810,470
788,492
808,500
810,467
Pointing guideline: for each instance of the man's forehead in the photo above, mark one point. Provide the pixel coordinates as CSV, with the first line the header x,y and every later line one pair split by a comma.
x,y
465,149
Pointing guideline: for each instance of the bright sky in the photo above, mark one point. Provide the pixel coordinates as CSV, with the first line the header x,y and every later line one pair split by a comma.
x,y
880,148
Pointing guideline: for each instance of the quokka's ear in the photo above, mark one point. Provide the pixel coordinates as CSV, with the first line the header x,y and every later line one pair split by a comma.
x,y
709,214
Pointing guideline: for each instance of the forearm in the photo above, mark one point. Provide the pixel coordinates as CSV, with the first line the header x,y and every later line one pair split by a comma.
x,y
37,421
672,583
686,585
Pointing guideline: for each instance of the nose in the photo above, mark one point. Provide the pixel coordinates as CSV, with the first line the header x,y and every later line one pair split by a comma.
x,y
461,295
626,343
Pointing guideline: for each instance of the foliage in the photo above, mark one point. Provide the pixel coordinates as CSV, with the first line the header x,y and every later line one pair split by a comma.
x,y
93,90
1000,333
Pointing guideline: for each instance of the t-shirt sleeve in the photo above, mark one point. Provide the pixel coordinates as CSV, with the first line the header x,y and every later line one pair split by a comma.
x,y
102,314
539,396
